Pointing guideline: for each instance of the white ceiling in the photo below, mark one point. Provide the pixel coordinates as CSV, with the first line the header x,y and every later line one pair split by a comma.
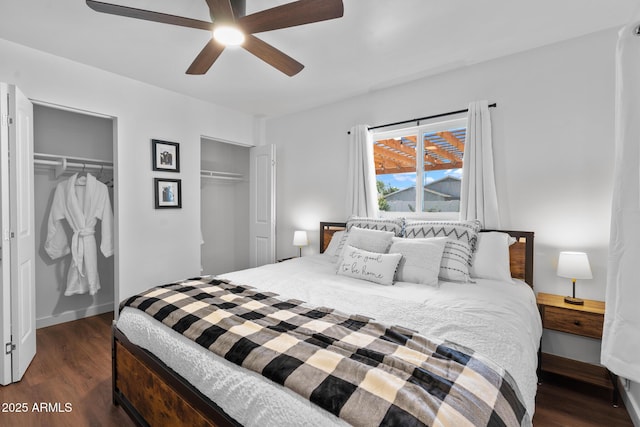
x,y
378,43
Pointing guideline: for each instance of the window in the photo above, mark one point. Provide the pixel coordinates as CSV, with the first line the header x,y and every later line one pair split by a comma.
x,y
430,155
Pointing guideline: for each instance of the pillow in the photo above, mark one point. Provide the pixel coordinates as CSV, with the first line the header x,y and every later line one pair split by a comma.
x,y
465,231
382,224
458,251
420,261
370,240
335,246
491,259
371,266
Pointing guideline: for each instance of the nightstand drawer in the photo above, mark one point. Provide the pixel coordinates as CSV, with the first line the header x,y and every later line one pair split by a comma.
x,y
573,322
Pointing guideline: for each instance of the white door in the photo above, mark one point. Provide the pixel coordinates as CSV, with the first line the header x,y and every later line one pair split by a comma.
x,y
18,293
263,205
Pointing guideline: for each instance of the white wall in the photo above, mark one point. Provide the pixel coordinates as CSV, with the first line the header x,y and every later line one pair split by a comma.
x,y
155,246
553,136
553,139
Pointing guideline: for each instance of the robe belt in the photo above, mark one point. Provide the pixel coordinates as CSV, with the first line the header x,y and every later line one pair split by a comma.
x,y
77,247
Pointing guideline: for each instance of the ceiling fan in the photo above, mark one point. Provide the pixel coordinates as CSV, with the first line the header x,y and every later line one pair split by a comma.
x,y
231,26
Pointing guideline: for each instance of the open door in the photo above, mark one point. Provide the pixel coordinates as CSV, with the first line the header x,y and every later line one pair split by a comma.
x,y
263,205
16,179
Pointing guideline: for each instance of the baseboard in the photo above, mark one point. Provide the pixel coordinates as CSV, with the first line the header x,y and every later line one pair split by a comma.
x,y
632,406
69,316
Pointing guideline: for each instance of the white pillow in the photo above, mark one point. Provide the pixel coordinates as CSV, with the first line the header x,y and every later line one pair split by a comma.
x,y
334,248
420,259
459,249
370,240
371,266
491,259
383,224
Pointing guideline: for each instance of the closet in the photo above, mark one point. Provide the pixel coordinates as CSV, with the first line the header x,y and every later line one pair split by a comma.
x,y
224,205
68,142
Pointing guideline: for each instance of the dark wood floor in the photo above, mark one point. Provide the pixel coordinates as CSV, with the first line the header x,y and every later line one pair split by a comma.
x,y
561,402
73,366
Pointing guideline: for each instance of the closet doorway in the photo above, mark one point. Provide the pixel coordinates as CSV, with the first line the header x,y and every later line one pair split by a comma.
x,y
41,145
69,142
224,206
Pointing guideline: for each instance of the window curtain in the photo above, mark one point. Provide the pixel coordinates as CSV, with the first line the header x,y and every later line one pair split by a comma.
x,y
478,196
620,341
362,193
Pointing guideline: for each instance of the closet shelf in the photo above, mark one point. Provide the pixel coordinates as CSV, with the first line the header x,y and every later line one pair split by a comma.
x,y
63,163
224,176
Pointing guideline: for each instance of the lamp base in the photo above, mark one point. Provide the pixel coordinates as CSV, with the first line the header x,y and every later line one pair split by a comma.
x,y
574,301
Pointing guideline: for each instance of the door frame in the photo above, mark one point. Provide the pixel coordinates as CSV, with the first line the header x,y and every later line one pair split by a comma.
x,y
5,243
115,204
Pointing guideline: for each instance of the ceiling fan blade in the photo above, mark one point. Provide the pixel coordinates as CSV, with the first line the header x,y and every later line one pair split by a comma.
x,y
206,58
289,15
147,15
221,11
272,56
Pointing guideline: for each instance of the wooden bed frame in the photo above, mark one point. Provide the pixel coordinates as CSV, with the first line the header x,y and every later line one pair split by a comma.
x,y
155,395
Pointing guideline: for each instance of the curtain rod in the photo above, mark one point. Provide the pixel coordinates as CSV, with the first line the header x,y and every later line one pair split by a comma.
x,y
435,116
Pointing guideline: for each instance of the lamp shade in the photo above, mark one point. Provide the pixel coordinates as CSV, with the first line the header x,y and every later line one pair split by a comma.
x,y
574,265
300,238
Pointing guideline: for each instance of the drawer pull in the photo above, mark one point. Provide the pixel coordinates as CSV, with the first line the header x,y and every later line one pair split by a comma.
x,y
577,323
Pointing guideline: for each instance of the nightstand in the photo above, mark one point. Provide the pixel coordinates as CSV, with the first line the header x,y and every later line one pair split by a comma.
x,y
583,320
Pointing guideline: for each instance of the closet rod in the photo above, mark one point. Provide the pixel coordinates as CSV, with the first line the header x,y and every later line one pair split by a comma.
x,y
38,156
221,178
61,163
72,164
229,176
435,116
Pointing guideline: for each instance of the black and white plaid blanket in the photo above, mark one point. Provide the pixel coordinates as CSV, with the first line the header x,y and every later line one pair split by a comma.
x,y
363,372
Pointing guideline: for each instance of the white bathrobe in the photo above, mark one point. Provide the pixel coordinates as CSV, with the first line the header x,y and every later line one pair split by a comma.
x,y
82,202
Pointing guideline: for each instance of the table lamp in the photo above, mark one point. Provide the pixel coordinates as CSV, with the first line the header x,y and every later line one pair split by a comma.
x,y
574,265
300,239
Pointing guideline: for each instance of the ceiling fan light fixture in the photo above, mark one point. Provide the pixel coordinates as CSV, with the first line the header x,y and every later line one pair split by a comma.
x,y
230,26
228,35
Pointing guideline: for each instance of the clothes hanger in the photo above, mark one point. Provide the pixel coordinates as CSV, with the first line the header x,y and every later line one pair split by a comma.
x,y
99,177
81,180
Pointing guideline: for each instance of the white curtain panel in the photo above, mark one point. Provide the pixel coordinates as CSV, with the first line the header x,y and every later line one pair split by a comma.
x,y
362,193
478,197
621,336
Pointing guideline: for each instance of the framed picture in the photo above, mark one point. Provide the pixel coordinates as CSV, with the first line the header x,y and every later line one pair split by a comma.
x,y
168,193
165,156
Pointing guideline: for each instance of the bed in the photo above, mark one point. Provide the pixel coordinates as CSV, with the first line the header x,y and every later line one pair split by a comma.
x,y
160,377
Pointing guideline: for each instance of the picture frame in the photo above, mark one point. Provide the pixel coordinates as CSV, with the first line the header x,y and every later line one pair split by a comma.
x,y
165,156
168,193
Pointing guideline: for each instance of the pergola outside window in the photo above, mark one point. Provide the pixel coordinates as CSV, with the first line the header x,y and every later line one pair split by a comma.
x,y
435,162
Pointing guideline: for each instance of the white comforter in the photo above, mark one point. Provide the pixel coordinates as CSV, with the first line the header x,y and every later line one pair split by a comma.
x,y
497,319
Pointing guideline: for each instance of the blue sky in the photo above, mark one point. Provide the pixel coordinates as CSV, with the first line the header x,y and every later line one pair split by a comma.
x,y
405,180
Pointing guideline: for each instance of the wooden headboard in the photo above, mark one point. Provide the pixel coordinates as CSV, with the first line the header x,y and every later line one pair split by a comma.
x,y
521,252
